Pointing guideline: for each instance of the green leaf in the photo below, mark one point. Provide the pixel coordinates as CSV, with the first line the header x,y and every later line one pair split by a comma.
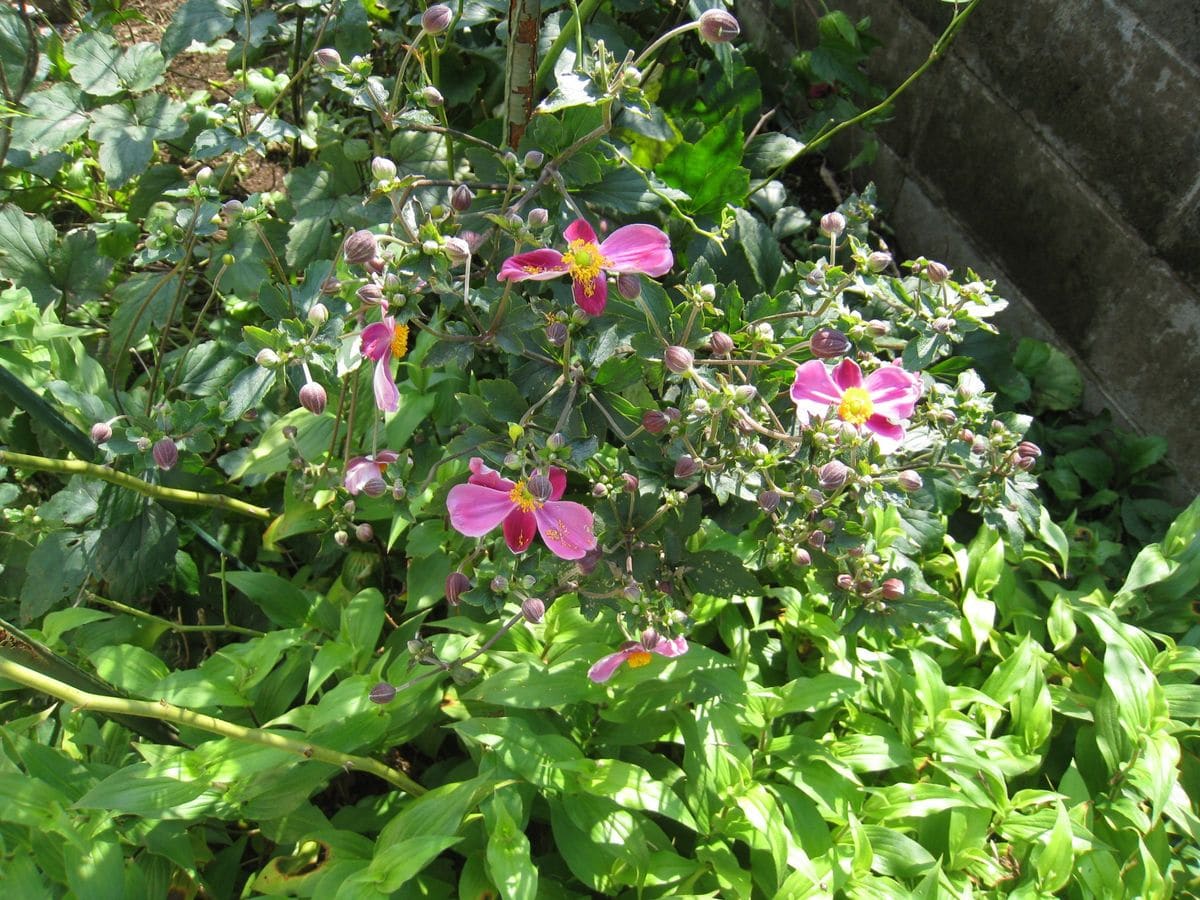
x,y
770,151
93,57
127,131
130,668
134,791
57,569
137,555
202,21
394,865
141,67
53,118
508,859
280,600
821,691
26,248
710,170
143,301
247,391
1056,860
720,574
362,621
532,686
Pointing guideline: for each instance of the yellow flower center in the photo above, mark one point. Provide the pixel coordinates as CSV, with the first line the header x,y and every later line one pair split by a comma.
x,y
638,659
856,406
585,263
400,341
523,499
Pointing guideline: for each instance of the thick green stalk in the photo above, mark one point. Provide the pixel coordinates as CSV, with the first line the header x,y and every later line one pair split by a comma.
x,y
177,715
121,479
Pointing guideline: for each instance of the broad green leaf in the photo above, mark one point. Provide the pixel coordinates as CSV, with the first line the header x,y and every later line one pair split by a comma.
x,y
26,251
201,21
533,686
58,567
133,791
508,858
137,555
821,691
709,170
52,119
396,864
1055,861
93,57
280,600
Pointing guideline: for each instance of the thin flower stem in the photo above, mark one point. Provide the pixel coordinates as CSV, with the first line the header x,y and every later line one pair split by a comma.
x,y
673,33
611,424
121,479
177,715
566,410
168,624
574,27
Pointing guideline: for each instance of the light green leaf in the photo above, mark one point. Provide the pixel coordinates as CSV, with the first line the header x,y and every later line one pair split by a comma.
x,y
1055,861
53,118
93,57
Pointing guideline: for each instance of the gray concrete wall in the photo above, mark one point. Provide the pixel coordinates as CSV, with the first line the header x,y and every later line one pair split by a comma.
x,y
1056,147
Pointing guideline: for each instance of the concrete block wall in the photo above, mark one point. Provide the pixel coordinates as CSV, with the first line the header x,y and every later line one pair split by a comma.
x,y
1056,147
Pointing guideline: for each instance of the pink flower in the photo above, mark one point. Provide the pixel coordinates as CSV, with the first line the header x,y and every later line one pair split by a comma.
x,y
878,403
381,341
637,654
365,473
525,506
632,250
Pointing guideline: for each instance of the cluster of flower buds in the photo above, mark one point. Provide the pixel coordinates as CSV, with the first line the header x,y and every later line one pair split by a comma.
x,y
1026,455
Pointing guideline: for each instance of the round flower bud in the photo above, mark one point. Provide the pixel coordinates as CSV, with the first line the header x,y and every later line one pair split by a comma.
x,y
399,491
720,343
165,454
462,197
231,209
537,218
556,441
431,96
764,331
678,359
1028,450
845,581
879,260
744,393
266,357
629,483
768,500
708,292
313,398
370,293
816,277
979,446
892,589
290,432
534,610
375,487
364,532
832,476
539,487
330,286
833,224
588,562
718,26
801,557
700,407
936,272
204,176
828,343
382,693
101,432
629,285
383,169
328,58
942,325
910,481
655,421
318,314
457,250
556,333
437,18
533,159
457,584
1025,463
499,584
360,247
143,444
817,539
341,538
686,466
878,328
672,413
599,489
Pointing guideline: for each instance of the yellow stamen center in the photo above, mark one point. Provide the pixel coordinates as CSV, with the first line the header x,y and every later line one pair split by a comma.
x,y
638,659
524,500
400,341
585,263
856,406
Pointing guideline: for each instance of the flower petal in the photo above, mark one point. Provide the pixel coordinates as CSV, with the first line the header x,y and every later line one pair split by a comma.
x,y
591,301
894,392
888,434
384,458
605,667
376,339
536,265
519,528
359,471
847,374
671,648
387,397
482,474
638,249
580,230
813,391
558,482
475,510
566,527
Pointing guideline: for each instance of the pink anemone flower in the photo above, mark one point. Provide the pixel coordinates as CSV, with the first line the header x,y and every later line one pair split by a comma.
x,y
381,341
361,471
524,507
878,403
631,250
636,654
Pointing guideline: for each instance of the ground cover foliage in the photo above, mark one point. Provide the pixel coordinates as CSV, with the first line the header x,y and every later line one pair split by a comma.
x,y
533,495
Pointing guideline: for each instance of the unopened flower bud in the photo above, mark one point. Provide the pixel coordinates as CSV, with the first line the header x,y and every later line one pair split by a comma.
x,y
1028,450
437,18
629,482
341,538
399,491
879,260
457,250
375,487
720,343
979,446
910,481
942,325
764,331
768,500
382,693
832,476
878,328
655,421
537,218
313,398
678,359
534,610
833,223
801,557
431,96
360,247
499,584
204,176
718,26
533,159
539,487
328,58
143,444
708,292
892,589
700,407
936,272
1025,463
457,584
817,539
461,198
672,413
599,489
165,454
364,532
686,466
266,357
290,432
828,343
370,293
318,314
744,393
845,581
816,277
417,647
101,432
629,285
383,169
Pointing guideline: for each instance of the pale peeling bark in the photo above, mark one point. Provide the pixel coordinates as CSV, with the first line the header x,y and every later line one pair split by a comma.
x,y
524,26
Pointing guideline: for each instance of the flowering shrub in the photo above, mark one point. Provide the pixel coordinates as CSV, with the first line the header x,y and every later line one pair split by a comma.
x,y
277,459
